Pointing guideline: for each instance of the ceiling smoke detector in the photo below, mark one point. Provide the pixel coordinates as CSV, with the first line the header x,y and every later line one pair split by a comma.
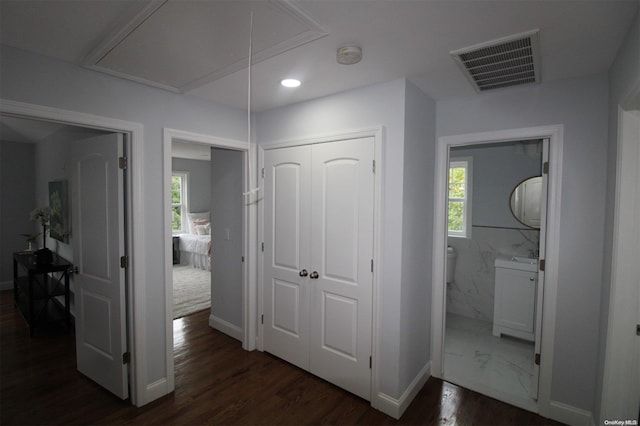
x,y
506,62
349,55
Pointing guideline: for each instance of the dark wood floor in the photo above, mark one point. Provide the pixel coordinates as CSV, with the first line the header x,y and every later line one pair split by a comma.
x,y
216,383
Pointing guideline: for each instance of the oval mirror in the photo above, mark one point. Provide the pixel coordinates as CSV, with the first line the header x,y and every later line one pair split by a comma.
x,y
525,201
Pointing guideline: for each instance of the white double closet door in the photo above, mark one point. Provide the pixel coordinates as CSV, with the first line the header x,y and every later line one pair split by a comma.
x,y
318,275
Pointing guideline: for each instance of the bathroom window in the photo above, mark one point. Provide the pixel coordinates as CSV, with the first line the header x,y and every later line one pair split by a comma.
x,y
459,206
179,202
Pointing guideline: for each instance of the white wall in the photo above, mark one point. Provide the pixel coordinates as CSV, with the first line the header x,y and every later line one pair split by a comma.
x,y
581,106
364,108
226,254
199,185
497,169
417,234
43,81
52,164
623,75
17,183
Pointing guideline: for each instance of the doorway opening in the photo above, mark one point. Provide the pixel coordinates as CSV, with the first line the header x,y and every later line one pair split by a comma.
x,y
465,308
65,159
495,214
191,227
212,220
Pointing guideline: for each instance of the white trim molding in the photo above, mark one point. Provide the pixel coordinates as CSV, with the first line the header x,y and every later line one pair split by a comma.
x,y
555,133
569,414
396,407
136,297
226,327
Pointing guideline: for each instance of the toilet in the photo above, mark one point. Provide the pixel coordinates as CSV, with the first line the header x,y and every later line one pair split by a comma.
x,y
451,263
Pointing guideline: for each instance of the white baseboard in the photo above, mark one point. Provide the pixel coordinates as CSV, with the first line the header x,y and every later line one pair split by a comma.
x,y
226,327
570,415
155,390
396,407
6,285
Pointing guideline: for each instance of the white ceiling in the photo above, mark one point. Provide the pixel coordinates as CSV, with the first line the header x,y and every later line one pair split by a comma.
x,y
201,47
14,129
27,130
190,150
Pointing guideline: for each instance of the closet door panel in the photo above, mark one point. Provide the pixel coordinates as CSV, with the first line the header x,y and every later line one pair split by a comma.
x,y
341,253
287,232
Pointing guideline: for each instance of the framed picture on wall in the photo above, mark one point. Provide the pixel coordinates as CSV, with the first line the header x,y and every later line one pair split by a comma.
x,y
59,204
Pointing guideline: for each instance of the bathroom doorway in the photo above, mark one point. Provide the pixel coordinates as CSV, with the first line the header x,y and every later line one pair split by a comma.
x,y
494,214
489,338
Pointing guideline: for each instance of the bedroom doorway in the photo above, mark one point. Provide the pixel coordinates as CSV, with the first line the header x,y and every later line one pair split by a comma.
x,y
209,248
68,141
190,227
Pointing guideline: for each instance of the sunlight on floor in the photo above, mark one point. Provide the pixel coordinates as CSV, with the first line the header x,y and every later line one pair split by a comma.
x,y
178,332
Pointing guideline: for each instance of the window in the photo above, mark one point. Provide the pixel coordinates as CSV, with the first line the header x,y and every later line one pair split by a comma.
x,y
179,206
459,206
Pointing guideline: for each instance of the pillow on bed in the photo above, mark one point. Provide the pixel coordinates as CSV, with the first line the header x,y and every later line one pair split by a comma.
x,y
206,216
203,229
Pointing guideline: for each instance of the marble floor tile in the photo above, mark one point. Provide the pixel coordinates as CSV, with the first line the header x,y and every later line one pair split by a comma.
x,y
476,359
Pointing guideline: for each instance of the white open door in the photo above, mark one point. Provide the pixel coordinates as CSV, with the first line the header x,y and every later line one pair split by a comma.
x,y
542,255
97,186
621,381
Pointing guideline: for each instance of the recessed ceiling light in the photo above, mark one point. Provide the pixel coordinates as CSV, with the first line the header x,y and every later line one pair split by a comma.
x,y
290,82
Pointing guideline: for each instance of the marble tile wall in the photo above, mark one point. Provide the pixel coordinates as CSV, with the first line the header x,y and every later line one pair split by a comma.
x,y
471,292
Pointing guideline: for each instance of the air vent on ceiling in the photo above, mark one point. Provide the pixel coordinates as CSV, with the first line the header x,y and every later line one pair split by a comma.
x,y
506,62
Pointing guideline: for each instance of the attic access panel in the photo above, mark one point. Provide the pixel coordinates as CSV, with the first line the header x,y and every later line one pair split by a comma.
x,y
506,62
180,45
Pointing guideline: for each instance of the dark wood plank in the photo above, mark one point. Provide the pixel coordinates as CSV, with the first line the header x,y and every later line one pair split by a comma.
x,y
216,383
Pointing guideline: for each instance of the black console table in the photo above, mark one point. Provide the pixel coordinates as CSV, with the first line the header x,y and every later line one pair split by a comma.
x,y
34,293
176,249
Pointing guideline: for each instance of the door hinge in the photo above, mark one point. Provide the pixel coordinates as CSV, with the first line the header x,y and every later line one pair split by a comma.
x,y
263,173
371,265
370,362
261,319
545,168
242,259
638,329
542,264
374,166
126,357
263,247
124,262
537,360
122,163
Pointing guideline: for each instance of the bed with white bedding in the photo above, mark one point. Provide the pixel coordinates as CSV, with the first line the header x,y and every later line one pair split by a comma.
x,y
195,246
195,250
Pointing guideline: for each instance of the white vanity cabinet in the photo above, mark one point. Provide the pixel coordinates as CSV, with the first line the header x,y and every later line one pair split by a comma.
x,y
514,310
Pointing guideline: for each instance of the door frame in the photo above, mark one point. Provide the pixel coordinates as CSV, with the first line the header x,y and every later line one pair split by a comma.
x,y
618,353
555,134
377,133
249,232
136,277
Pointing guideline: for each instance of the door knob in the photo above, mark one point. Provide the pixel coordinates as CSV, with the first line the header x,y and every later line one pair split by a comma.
x,y
304,273
314,275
